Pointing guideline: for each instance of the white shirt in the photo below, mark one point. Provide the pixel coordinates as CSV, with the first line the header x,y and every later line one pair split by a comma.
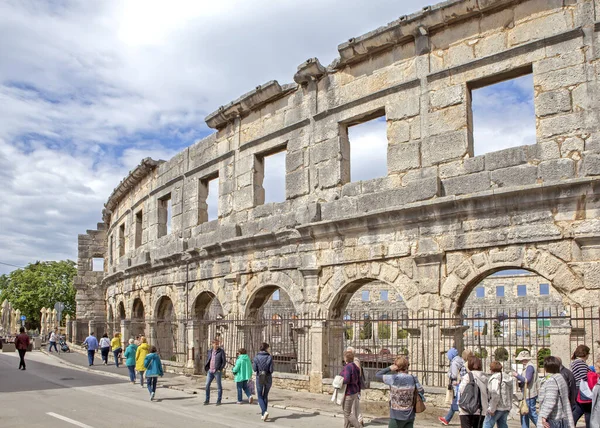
x,y
52,337
104,342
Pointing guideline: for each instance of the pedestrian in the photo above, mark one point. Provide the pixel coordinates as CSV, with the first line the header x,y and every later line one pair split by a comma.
x,y
351,375
473,383
528,382
403,387
555,408
104,347
140,355
91,343
116,346
455,373
263,367
137,341
130,359
571,383
595,413
356,409
22,344
154,369
243,373
53,340
215,363
580,370
500,392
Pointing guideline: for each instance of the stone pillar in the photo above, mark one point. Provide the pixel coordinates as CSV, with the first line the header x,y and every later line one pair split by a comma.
x,y
192,347
560,339
53,319
125,331
151,333
75,329
302,335
69,328
181,340
318,352
42,321
18,322
91,327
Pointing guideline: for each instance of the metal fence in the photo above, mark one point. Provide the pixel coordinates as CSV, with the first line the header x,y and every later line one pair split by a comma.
x,y
492,334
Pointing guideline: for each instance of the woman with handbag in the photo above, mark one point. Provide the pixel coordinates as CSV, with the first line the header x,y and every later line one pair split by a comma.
x,y
406,393
555,408
243,373
528,381
580,369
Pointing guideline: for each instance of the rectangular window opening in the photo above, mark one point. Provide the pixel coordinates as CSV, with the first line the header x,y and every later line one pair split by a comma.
x,y
208,199
480,292
365,296
270,177
521,290
98,264
164,215
139,218
384,295
544,289
502,113
122,240
500,291
365,148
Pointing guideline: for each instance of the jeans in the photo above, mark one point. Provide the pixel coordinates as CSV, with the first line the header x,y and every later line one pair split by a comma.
x,y
242,387
51,345
22,358
500,417
141,373
91,357
532,413
131,373
152,381
584,410
116,353
262,391
209,378
350,419
104,352
453,406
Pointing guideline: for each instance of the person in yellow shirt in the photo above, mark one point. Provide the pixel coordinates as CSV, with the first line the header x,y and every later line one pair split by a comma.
x,y
140,355
117,348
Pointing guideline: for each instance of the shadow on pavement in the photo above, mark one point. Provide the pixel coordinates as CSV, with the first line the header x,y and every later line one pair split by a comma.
x,y
174,398
40,376
293,416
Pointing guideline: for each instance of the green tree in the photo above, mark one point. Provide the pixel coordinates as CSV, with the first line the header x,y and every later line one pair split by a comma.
x,y
485,329
366,331
384,331
40,285
497,329
501,354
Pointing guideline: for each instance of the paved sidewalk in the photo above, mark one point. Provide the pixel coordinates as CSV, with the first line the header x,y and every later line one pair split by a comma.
x,y
279,398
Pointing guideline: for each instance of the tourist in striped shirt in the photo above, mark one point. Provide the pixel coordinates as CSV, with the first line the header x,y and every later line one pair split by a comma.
x,y
555,408
580,370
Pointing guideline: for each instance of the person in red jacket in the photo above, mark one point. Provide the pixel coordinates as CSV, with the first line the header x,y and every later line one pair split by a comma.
x,y
22,343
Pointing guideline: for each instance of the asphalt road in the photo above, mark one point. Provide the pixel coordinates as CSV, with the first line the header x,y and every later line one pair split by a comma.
x,y
51,395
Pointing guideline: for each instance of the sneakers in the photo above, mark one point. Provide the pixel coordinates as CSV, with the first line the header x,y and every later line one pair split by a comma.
x,y
443,421
151,396
238,402
265,416
205,403
250,400
219,403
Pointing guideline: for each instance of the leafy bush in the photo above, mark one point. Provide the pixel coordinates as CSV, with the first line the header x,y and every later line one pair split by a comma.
x,y
501,354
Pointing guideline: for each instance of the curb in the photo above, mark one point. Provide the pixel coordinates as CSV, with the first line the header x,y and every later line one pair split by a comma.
x,y
81,368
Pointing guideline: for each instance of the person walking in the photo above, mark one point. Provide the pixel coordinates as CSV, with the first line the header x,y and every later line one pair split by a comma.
x,y
130,359
351,375
154,369
571,383
243,373
356,409
402,393
215,363
473,418
263,367
117,348
500,392
595,412
53,340
140,355
455,373
580,370
22,344
555,408
104,348
528,382
91,343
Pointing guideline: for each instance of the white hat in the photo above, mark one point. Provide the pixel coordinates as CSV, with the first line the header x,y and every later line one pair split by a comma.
x,y
523,355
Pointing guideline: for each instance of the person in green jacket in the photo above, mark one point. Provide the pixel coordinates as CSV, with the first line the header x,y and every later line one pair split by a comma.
x,y
154,369
130,360
243,373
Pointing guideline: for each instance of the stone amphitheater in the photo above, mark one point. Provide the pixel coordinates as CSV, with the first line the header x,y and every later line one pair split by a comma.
x,y
440,221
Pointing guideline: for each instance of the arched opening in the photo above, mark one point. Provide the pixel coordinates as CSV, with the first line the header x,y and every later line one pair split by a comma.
x,y
138,318
271,317
507,311
110,322
208,324
122,315
166,329
371,317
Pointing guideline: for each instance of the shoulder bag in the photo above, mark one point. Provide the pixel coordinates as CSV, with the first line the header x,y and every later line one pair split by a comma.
x,y
418,403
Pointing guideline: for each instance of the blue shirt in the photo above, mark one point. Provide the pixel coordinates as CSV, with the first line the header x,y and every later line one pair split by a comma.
x,y
92,343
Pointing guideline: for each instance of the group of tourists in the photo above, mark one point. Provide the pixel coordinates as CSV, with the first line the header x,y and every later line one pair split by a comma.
x,y
559,400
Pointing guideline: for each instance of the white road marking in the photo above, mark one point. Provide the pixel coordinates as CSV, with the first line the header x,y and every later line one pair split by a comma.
x,y
71,421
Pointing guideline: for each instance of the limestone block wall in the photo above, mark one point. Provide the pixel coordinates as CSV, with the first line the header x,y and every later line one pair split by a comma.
x,y
440,221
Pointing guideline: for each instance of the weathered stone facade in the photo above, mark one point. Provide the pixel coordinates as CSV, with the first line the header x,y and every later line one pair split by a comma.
x,y
439,222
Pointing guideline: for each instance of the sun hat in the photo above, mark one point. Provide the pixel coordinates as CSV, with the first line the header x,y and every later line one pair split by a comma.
x,y
524,355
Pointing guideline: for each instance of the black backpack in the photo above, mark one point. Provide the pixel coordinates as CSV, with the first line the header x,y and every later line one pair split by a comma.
x,y
470,398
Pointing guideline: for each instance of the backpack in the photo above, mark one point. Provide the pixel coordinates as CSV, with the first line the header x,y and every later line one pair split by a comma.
x,y
470,398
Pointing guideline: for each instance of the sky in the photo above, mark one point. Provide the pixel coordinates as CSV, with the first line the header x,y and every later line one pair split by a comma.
x,y
88,89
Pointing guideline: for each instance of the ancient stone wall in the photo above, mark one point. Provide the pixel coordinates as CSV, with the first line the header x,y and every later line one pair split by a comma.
x,y
440,221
